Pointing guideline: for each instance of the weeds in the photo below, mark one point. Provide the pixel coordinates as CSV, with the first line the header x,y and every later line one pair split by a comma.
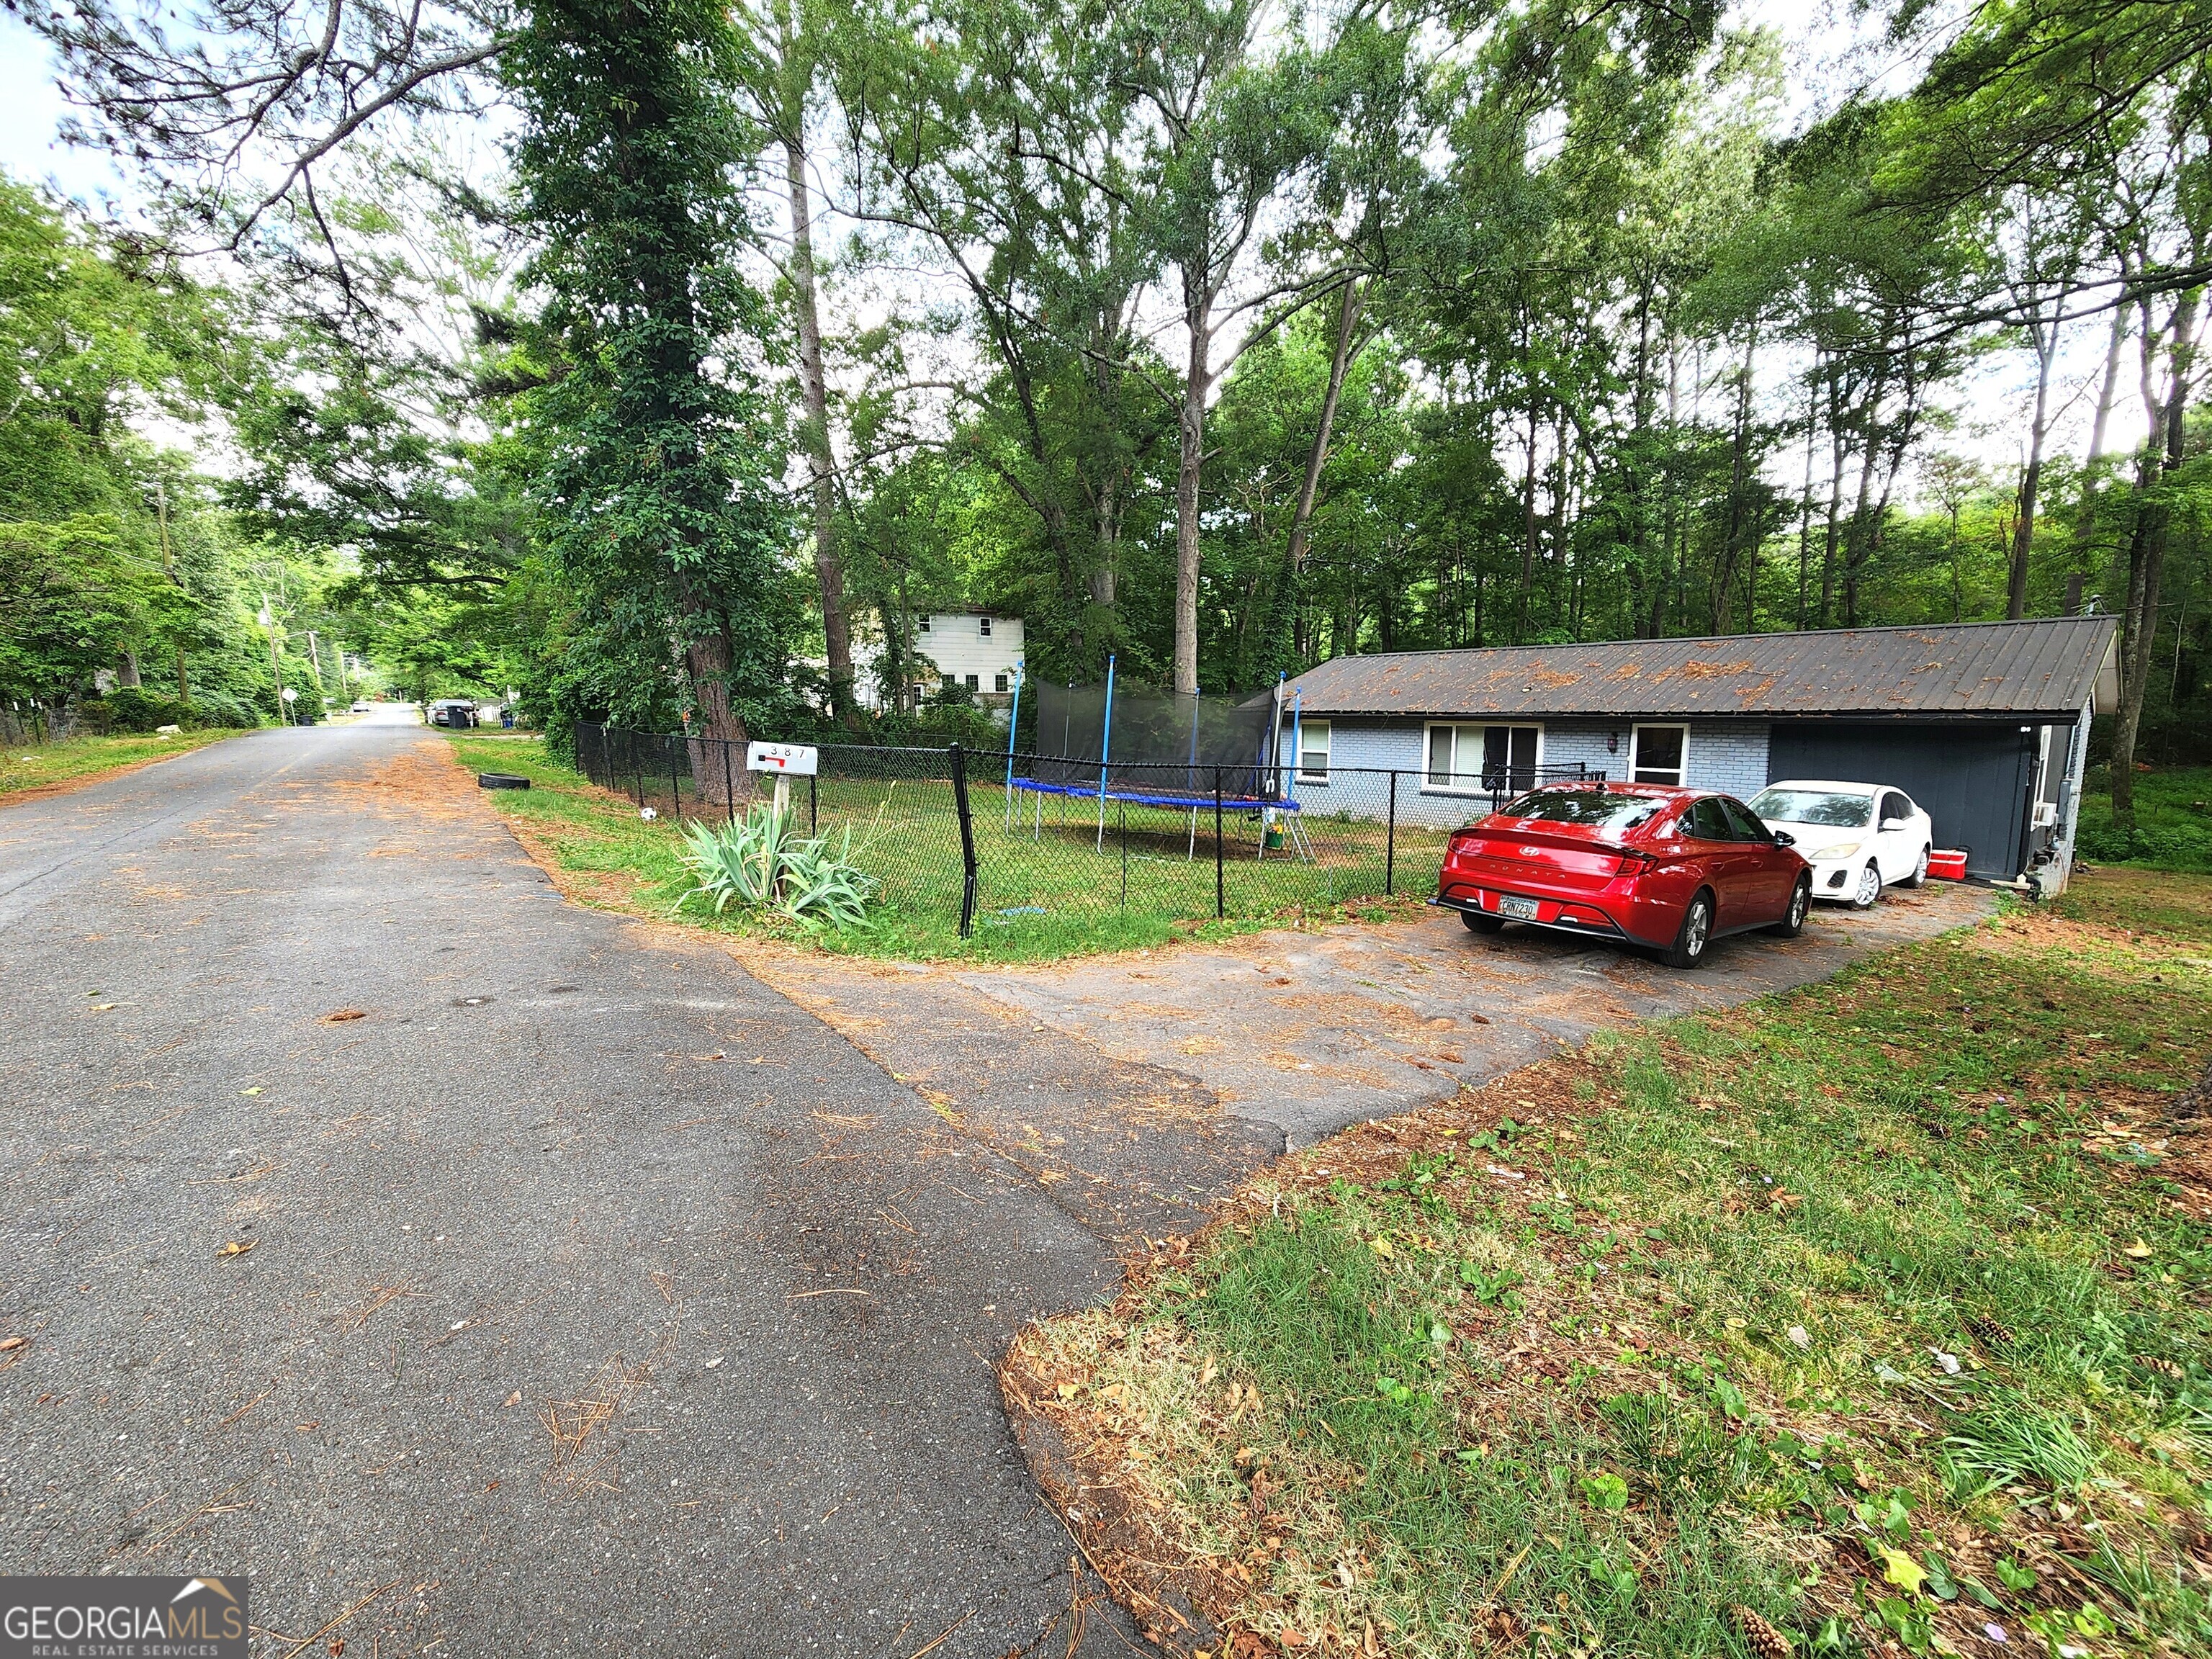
x,y
2006,1440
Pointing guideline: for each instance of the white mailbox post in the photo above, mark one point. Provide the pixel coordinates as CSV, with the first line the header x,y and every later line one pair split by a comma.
x,y
788,761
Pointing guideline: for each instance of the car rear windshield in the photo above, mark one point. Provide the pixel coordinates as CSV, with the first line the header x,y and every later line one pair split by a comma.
x,y
1600,809
1821,806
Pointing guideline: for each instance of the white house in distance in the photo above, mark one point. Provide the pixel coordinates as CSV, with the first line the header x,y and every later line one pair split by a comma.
x,y
979,649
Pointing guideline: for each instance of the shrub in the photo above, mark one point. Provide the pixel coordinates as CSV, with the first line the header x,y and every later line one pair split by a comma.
x,y
133,709
2172,827
758,862
220,709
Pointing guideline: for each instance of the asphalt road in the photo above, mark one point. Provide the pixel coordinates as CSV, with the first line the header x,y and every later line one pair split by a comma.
x,y
581,1294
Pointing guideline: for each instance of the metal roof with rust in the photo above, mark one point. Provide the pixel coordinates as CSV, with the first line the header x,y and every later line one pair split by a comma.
x,y
2047,669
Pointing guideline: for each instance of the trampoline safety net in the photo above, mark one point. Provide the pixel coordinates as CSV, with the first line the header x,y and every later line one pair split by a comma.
x,y
1160,743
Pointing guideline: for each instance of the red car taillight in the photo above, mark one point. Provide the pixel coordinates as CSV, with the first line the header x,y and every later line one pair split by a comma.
x,y
1633,864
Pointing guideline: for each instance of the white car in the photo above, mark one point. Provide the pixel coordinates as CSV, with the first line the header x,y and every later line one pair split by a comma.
x,y
1858,837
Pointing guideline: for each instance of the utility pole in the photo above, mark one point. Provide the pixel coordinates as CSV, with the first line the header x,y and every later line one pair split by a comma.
x,y
268,620
169,569
315,658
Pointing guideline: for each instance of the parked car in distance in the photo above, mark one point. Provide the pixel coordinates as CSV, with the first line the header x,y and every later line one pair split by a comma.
x,y
1858,837
360,706
452,712
1672,869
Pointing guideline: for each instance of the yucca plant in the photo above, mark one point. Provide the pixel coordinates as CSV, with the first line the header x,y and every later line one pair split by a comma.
x,y
820,882
758,862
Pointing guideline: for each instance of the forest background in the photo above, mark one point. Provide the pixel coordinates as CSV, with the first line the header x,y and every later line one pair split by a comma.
x,y
654,357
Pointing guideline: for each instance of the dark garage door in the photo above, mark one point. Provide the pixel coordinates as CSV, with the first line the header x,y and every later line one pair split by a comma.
x,y
1971,780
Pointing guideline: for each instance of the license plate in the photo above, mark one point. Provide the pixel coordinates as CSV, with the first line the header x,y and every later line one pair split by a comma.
x,y
1520,910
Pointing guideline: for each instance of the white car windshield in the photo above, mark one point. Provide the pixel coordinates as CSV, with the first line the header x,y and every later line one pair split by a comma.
x,y
1825,807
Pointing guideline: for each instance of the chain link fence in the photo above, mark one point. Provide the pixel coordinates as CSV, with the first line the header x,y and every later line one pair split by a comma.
x,y
25,724
997,839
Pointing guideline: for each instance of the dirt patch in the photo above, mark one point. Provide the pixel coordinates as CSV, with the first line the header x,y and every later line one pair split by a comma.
x,y
1072,1453
422,780
602,890
2169,1134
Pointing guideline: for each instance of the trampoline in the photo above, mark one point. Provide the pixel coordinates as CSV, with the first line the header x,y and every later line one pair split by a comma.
x,y
1176,751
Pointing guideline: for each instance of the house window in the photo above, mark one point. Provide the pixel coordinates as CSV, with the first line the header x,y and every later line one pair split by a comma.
x,y
974,682
1000,684
983,626
1659,754
1471,760
923,625
1313,751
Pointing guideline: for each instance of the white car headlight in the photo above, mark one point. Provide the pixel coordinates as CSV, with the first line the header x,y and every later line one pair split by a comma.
x,y
1842,849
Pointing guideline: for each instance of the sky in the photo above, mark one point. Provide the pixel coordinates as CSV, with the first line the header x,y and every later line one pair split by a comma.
x,y
1833,49
31,110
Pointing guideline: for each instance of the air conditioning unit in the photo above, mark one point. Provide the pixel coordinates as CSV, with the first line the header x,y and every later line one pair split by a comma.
x,y
2046,815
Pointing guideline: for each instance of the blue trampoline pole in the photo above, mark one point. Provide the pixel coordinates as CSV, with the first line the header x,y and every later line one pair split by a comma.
x,y
1012,721
1105,753
1267,818
1271,757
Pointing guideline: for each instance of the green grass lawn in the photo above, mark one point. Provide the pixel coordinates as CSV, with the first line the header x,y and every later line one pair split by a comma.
x,y
1045,889
1881,1309
81,759
2173,821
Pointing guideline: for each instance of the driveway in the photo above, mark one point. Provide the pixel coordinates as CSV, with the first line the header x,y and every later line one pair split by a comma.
x,y
1310,1032
1282,1038
480,1273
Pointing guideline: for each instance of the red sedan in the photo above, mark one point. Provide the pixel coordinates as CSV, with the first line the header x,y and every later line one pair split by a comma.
x,y
1674,869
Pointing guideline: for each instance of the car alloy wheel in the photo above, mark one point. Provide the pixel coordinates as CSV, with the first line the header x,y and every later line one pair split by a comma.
x,y
1919,875
1869,887
1696,933
1800,906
